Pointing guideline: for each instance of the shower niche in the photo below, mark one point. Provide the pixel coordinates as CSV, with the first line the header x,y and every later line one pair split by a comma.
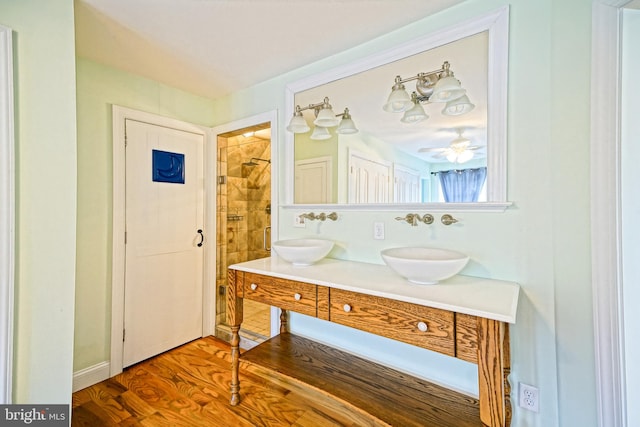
x,y
243,231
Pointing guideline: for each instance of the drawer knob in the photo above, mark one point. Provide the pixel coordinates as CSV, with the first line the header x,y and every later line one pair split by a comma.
x,y
297,297
346,308
254,286
423,326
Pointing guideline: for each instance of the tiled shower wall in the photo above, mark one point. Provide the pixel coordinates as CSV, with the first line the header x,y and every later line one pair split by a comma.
x,y
242,206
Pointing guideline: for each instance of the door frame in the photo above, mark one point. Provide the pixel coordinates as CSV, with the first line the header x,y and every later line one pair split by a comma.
x,y
211,153
119,116
605,212
7,216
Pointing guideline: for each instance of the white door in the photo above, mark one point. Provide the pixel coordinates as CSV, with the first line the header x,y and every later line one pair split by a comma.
x,y
369,180
313,180
163,261
406,187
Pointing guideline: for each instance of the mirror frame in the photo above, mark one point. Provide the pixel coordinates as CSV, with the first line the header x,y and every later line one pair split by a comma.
x,y
497,24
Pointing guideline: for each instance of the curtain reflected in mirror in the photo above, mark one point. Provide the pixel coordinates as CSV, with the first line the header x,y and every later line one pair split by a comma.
x,y
463,185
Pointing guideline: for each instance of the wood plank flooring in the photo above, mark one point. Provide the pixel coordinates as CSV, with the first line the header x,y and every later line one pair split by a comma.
x,y
394,397
189,386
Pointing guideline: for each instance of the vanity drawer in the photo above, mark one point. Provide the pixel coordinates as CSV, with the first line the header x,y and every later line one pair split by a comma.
x,y
286,294
425,327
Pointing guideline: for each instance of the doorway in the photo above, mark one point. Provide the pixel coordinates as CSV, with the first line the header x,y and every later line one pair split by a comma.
x,y
243,218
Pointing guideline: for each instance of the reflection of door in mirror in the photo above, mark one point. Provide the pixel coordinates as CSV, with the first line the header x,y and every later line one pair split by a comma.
x,y
313,180
406,185
369,179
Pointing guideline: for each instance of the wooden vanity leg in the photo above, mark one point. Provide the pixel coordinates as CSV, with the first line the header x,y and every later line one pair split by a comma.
x,y
506,370
234,317
283,321
493,367
235,365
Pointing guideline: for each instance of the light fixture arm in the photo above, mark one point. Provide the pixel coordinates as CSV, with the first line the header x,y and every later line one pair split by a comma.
x,y
316,107
435,73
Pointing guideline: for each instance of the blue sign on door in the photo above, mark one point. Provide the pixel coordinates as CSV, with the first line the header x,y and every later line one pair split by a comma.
x,y
168,167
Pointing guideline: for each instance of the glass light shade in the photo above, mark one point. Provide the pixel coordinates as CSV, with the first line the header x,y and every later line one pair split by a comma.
x,y
447,89
298,124
452,156
465,156
326,118
347,126
414,115
458,106
320,133
398,101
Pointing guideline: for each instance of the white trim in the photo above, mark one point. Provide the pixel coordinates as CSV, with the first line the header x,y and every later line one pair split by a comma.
x,y
89,376
272,118
120,114
7,214
497,23
393,207
605,212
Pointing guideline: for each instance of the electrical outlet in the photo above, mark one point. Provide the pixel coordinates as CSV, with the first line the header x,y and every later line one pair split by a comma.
x,y
298,221
378,230
529,397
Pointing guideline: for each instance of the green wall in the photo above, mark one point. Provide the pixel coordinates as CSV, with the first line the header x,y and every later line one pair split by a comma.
x,y
45,123
541,242
99,87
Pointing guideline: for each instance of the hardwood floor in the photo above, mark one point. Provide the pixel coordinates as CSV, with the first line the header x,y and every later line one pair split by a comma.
x,y
189,386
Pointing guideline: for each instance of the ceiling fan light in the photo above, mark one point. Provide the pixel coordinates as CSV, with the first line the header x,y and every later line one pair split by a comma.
x,y
326,118
447,89
414,115
465,156
398,101
452,156
320,133
458,106
298,124
460,143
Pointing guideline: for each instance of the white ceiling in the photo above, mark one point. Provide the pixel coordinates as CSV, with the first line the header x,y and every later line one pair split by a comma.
x,y
216,47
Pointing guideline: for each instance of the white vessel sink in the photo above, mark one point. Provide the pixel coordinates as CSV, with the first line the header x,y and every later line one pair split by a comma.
x,y
424,266
302,251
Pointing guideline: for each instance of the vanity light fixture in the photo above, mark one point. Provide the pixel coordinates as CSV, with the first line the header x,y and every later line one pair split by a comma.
x,y
433,86
325,118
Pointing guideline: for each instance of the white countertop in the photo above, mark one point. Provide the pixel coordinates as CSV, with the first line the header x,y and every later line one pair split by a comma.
x,y
492,299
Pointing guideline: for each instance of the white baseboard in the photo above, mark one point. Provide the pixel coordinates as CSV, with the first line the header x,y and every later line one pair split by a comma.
x,y
90,376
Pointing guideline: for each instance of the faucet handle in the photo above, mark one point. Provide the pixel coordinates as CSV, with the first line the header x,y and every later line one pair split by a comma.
x,y
448,219
427,219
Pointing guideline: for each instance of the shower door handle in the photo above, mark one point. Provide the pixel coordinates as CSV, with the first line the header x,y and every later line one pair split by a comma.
x,y
264,238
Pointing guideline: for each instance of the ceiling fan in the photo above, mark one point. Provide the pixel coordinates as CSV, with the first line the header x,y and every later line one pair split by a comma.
x,y
459,150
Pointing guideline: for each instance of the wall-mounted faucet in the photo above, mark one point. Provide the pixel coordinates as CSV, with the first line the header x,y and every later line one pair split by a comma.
x,y
413,219
321,216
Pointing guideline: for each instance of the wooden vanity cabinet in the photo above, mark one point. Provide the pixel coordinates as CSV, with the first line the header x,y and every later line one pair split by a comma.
x,y
478,340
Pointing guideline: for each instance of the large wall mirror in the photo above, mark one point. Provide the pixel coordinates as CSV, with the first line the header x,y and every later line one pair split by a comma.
x,y
421,124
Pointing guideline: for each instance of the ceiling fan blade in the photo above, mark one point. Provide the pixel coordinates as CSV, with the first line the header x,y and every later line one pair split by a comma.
x,y
429,150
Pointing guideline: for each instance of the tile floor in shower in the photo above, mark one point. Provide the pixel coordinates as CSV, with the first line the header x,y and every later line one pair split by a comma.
x,y
256,318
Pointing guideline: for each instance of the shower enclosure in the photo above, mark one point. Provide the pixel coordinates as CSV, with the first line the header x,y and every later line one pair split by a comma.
x,y
243,219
